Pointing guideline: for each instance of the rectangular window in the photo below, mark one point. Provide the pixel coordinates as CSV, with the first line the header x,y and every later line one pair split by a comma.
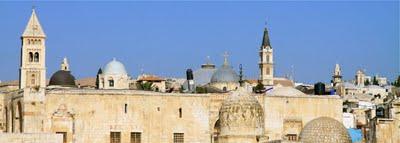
x,y
115,137
178,137
292,137
136,137
64,134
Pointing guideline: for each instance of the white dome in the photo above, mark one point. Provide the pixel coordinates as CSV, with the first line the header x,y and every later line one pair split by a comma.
x,y
285,91
114,67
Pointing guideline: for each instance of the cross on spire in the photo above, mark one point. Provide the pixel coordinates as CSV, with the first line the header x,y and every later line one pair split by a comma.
x,y
225,58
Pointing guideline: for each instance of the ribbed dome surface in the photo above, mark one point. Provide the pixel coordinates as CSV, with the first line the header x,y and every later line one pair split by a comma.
x,y
241,114
62,78
114,67
324,130
224,74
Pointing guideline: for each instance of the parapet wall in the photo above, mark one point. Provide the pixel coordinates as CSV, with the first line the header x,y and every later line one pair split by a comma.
x,y
30,138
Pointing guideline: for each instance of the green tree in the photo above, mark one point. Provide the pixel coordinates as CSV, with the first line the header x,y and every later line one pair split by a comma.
x,y
259,88
397,82
145,86
366,83
375,81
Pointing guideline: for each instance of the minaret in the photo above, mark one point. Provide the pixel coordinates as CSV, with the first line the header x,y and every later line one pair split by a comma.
x,y
337,75
33,58
266,64
65,65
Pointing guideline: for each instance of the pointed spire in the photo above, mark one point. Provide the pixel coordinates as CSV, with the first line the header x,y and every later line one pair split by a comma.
x,y
265,41
33,28
65,65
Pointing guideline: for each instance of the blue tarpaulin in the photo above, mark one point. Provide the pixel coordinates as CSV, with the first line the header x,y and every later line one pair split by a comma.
x,y
355,134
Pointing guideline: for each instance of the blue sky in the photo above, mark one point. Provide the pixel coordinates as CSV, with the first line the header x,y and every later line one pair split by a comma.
x,y
166,38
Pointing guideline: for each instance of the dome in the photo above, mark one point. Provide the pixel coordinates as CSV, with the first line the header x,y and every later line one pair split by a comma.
x,y
224,74
285,91
203,76
324,130
114,67
242,115
62,78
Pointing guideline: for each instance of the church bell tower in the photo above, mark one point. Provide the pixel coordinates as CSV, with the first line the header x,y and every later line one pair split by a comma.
x,y
266,64
33,67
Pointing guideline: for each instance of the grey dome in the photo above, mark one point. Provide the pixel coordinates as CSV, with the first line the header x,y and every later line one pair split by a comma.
x,y
324,130
62,78
224,74
114,67
203,76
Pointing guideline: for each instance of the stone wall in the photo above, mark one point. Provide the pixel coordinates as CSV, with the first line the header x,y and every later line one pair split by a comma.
x,y
296,112
90,115
30,138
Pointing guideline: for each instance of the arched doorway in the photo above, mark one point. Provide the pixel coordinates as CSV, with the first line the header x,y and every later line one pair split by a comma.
x,y
216,131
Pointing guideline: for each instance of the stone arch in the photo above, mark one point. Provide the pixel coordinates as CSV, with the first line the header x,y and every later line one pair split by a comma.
x,y
63,122
216,131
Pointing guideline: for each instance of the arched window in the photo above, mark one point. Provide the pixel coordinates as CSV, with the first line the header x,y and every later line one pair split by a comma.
x,y
36,57
267,59
33,79
30,57
224,89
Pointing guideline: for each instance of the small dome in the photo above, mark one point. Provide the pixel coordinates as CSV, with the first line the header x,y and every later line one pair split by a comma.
x,y
114,67
241,114
285,91
324,130
62,78
224,74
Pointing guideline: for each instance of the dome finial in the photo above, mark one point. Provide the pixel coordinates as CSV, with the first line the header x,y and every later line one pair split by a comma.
x,y
64,64
114,59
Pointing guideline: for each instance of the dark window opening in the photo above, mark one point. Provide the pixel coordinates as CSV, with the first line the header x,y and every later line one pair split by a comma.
x,y
64,135
180,112
30,57
111,83
136,137
126,108
36,57
115,137
178,137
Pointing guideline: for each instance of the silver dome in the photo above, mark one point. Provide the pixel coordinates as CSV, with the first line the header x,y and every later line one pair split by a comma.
x,y
224,74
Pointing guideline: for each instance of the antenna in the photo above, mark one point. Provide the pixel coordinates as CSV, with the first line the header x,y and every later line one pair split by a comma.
x,y
240,75
292,67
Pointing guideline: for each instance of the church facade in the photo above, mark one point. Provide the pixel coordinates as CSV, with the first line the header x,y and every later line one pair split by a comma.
x,y
61,112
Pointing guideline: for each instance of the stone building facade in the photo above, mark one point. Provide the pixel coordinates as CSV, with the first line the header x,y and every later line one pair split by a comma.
x,y
66,113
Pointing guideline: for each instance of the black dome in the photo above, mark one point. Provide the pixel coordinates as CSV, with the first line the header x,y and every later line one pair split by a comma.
x,y
62,78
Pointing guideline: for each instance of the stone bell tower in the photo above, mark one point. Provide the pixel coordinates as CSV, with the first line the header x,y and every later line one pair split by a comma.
x,y
337,75
33,66
32,76
266,64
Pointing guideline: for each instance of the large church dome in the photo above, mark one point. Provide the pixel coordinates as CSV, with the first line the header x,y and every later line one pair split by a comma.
x,y
324,130
114,67
62,78
224,74
241,115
